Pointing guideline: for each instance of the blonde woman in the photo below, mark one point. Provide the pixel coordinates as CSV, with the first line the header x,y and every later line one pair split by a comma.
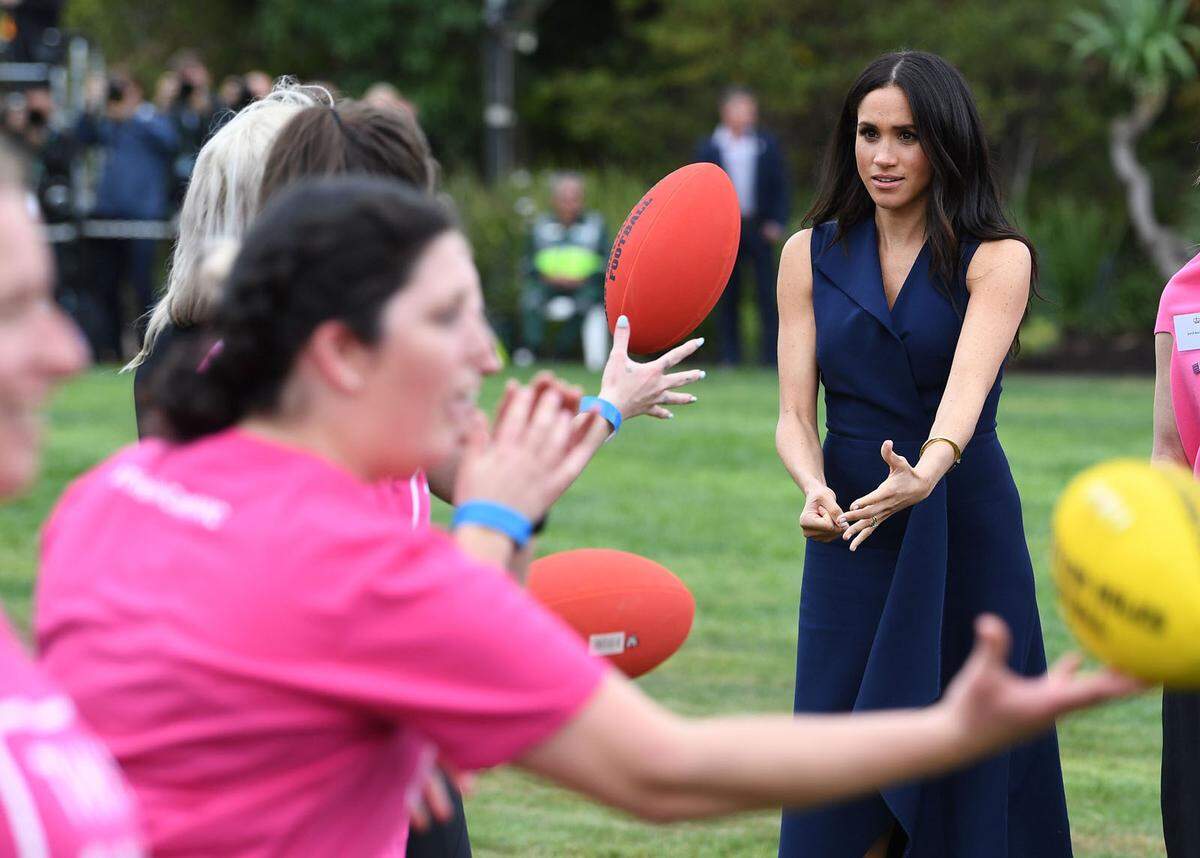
x,y
221,200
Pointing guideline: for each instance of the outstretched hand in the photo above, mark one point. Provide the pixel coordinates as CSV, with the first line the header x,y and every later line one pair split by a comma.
x,y
534,451
646,388
903,488
991,707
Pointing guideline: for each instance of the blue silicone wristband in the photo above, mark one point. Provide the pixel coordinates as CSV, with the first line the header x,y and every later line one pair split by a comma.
x,y
608,411
497,517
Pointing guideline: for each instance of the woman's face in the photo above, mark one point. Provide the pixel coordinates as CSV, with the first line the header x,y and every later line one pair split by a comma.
x,y
434,347
39,346
891,162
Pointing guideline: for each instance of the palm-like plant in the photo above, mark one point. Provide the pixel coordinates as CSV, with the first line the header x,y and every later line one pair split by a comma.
x,y
1145,44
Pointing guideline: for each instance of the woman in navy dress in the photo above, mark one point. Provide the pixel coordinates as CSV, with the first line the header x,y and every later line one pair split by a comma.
x,y
903,302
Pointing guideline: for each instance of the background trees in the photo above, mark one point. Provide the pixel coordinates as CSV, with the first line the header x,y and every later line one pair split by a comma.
x,y
626,87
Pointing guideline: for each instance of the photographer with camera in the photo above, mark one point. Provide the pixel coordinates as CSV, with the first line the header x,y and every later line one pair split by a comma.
x,y
139,145
49,149
185,96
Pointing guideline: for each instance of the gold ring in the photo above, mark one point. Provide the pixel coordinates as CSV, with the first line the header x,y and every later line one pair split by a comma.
x,y
874,521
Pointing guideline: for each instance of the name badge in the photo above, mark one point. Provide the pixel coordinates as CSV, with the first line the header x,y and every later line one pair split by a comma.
x,y
1187,332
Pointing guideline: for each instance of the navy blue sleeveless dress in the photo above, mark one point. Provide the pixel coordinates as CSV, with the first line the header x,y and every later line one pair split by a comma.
x,y
888,625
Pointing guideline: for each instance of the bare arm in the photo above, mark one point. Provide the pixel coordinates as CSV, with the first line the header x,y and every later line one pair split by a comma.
x,y
625,750
1167,445
998,280
481,544
796,436
486,546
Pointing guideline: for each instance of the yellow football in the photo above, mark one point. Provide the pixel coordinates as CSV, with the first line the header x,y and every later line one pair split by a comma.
x,y
1127,567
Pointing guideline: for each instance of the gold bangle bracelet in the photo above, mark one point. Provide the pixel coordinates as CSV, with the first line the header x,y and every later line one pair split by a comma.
x,y
957,449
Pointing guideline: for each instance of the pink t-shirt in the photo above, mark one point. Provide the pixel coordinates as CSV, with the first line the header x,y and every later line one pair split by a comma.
x,y
60,792
407,499
272,661
1179,316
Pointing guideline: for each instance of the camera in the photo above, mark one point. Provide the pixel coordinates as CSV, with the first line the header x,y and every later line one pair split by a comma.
x,y
116,89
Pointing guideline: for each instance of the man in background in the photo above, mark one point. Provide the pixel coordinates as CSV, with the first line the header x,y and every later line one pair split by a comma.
x,y
754,161
185,96
564,271
138,145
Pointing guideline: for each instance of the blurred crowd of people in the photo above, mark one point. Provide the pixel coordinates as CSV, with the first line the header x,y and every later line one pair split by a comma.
x,y
122,164
119,169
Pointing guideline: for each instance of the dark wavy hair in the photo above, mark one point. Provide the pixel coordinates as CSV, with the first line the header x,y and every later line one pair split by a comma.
x,y
964,199
324,249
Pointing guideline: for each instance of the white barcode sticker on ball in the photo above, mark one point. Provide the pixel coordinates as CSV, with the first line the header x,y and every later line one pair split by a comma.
x,y
611,643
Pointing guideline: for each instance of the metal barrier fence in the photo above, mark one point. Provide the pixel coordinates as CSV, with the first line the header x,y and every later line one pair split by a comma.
x,y
157,230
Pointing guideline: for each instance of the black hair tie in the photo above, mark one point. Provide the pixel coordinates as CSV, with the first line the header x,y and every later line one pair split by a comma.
x,y
348,134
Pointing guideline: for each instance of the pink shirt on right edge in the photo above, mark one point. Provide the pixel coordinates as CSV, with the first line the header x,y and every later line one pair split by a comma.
x,y
60,791
272,661
1179,316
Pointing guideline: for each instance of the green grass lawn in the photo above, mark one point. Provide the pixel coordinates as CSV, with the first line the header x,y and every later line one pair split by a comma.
x,y
706,496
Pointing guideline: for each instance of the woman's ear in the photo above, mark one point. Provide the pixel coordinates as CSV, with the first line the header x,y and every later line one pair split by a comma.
x,y
338,357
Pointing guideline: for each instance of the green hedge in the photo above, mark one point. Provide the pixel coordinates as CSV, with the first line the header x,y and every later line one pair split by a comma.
x,y
497,219
1094,277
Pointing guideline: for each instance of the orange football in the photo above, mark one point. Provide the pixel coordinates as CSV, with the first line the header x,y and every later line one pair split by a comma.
x,y
672,257
628,609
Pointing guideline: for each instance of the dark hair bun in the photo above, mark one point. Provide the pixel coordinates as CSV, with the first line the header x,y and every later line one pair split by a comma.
x,y
324,249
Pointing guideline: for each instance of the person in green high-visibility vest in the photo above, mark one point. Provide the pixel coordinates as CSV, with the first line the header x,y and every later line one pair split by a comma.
x,y
564,271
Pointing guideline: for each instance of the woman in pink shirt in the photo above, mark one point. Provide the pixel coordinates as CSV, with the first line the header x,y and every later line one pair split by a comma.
x,y
60,792
355,137
275,664
1177,440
